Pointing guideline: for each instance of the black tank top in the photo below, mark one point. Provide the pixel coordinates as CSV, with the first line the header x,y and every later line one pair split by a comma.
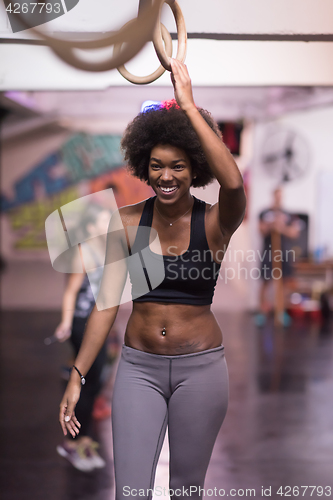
x,y
189,278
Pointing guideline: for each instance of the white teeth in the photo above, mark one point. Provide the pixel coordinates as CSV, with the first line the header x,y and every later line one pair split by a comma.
x,y
168,190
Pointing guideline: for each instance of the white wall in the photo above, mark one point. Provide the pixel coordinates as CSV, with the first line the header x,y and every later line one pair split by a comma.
x,y
210,63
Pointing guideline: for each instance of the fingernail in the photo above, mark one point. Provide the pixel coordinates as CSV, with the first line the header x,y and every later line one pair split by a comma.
x,y
67,418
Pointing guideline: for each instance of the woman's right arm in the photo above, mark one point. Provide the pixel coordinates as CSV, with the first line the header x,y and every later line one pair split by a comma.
x,y
97,329
100,320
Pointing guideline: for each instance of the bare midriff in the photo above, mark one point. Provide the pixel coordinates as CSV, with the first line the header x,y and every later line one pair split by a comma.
x,y
172,329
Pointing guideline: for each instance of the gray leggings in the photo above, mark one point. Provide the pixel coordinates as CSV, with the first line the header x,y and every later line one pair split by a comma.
x,y
189,394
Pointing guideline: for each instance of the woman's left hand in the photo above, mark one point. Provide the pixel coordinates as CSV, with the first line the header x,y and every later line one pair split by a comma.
x,y
182,84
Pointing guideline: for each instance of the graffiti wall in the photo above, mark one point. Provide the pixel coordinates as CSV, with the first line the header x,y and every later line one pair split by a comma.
x,y
83,164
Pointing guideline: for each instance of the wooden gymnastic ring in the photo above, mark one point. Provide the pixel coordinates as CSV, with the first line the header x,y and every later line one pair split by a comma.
x,y
66,53
142,80
135,38
182,37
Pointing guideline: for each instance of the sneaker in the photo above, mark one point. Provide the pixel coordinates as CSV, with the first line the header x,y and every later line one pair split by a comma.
x,y
285,319
260,320
78,457
95,459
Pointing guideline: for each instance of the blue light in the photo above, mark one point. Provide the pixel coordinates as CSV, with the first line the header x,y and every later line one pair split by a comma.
x,y
149,105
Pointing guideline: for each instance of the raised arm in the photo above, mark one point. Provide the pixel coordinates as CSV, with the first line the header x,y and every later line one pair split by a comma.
x,y
231,205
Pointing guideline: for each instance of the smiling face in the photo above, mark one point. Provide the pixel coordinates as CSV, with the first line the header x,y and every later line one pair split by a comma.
x,y
170,172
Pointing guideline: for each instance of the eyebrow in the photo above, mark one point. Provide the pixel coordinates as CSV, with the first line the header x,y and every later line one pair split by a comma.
x,y
160,161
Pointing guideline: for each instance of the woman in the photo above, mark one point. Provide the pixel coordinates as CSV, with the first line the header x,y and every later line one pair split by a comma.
x,y
78,302
172,370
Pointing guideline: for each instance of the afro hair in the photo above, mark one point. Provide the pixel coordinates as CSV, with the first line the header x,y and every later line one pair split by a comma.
x,y
166,124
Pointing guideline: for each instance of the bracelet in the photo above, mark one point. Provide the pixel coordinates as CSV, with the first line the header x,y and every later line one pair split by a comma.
x,y
83,380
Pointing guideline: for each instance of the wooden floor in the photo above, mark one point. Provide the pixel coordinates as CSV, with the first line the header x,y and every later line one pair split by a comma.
x,y
278,430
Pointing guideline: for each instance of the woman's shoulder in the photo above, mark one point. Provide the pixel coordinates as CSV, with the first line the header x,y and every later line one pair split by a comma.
x,y
131,214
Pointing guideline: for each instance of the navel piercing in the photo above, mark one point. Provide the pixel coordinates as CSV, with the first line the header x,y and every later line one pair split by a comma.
x,y
164,332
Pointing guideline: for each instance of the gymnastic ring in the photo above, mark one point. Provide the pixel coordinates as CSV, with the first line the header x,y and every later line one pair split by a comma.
x,y
142,80
149,15
182,37
135,38
67,54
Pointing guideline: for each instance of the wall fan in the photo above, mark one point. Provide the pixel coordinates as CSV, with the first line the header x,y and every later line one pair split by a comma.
x,y
285,155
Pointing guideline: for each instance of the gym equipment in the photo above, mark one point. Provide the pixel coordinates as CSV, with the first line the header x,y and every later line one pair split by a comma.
x,y
127,42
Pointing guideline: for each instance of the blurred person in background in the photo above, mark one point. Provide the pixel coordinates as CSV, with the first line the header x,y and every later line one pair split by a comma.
x,y
278,228
78,302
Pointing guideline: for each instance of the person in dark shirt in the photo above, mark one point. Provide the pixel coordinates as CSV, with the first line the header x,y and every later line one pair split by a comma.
x,y
278,228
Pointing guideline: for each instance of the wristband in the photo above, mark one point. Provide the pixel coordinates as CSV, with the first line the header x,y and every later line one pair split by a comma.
x,y
83,380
